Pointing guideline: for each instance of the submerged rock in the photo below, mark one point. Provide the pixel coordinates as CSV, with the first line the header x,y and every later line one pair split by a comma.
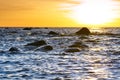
x,y
78,44
72,50
13,49
45,48
53,33
58,78
116,53
83,31
37,43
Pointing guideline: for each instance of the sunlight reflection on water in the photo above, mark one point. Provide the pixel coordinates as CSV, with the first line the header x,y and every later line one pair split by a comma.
x,y
99,61
97,30
97,70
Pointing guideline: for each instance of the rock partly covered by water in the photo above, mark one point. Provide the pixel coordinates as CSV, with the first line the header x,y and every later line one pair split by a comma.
x,y
13,49
78,44
37,43
58,78
45,48
72,50
53,33
83,31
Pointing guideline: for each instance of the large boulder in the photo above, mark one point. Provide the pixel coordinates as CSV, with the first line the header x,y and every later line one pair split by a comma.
x,y
37,43
83,31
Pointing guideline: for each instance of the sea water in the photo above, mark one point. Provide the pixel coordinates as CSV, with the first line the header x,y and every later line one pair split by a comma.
x,y
99,61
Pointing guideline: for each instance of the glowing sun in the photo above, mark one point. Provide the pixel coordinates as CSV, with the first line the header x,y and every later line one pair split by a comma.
x,y
93,11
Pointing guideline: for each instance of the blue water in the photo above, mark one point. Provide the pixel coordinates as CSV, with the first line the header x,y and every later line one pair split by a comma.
x,y
99,61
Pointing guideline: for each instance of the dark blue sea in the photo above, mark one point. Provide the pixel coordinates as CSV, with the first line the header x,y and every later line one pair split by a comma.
x,y
97,59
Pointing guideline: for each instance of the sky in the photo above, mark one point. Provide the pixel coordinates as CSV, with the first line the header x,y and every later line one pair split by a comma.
x,y
48,13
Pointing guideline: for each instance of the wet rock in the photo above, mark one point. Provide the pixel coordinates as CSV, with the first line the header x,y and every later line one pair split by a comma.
x,y
78,44
46,28
83,31
27,28
2,52
58,78
93,41
72,50
13,49
53,33
45,48
37,43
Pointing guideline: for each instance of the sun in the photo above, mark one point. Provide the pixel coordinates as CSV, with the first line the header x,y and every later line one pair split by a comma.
x,y
93,12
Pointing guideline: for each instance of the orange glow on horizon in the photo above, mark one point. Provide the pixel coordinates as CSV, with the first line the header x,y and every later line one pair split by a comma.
x,y
61,13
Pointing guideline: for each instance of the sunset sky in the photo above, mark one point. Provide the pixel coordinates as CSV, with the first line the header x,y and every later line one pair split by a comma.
x,y
60,13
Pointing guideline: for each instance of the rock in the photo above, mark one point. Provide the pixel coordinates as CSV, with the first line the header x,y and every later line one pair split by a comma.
x,y
72,50
53,33
78,44
46,28
57,78
45,48
83,31
27,28
13,49
116,53
37,43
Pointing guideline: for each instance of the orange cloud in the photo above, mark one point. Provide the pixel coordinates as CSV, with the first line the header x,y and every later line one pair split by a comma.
x,y
11,5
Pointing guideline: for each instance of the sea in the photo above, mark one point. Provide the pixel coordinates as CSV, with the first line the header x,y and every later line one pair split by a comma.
x,y
99,59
